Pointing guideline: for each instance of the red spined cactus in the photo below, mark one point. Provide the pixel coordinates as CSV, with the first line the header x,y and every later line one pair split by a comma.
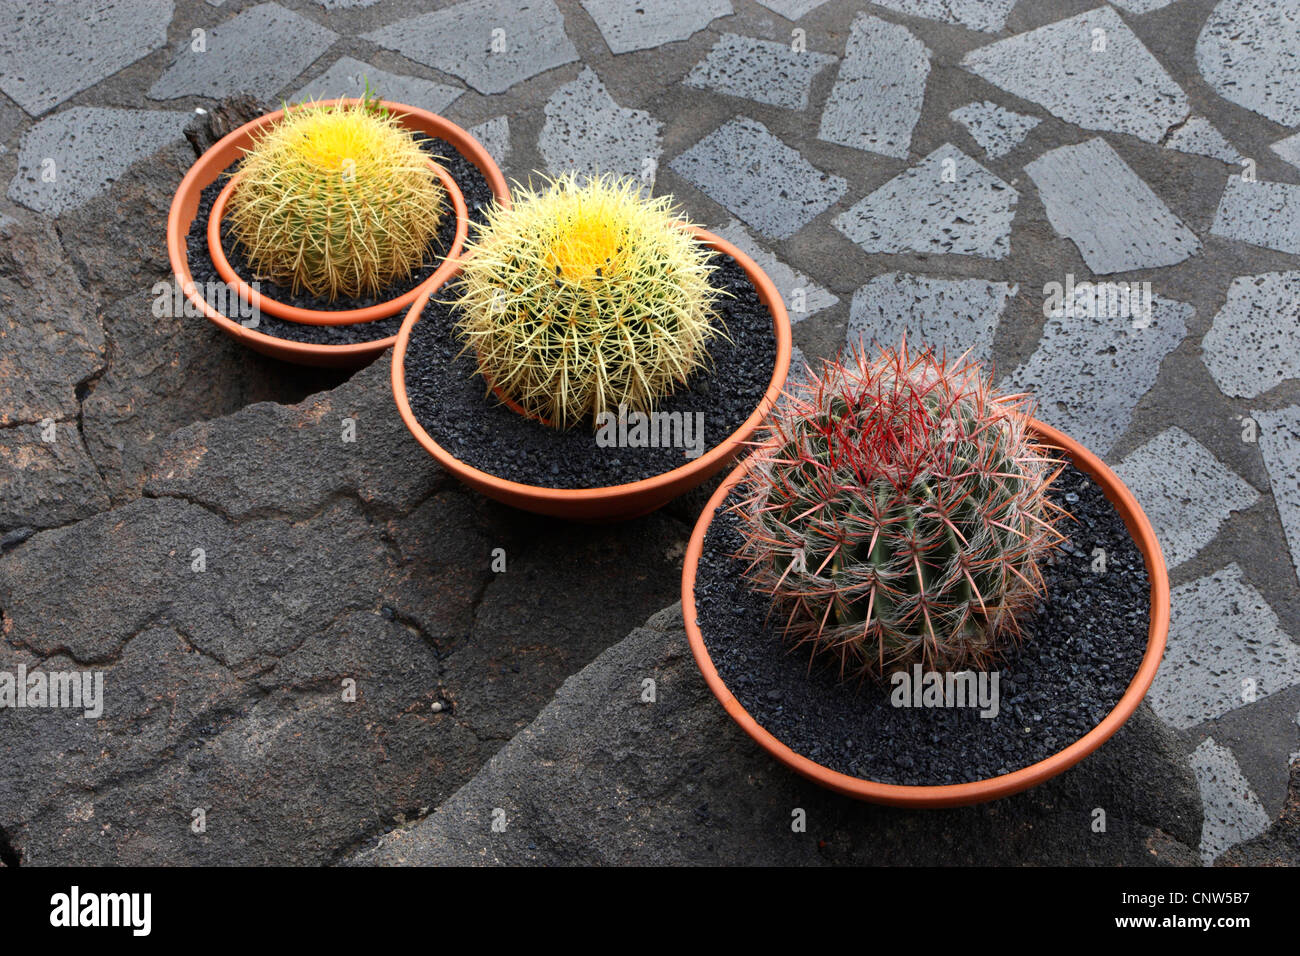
x,y
900,512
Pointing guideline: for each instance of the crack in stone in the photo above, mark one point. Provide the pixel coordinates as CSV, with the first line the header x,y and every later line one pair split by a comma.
x,y
374,512
113,656
409,818
1173,130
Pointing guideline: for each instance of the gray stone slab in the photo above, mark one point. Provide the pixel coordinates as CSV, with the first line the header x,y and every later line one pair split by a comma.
x,y
987,15
877,96
1198,137
494,136
1089,372
1185,491
260,52
759,70
1253,343
758,178
1233,814
73,156
951,316
997,130
802,296
1279,441
1226,650
1097,202
1249,52
947,204
1122,89
46,477
1289,149
630,26
49,52
348,77
1261,213
792,9
586,131
490,44
604,777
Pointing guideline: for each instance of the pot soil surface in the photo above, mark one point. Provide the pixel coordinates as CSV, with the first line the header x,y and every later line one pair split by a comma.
x,y
478,195
450,400
1082,646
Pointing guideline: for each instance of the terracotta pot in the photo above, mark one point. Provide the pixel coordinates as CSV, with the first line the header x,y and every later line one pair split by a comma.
x,y
225,153
380,310
977,791
615,502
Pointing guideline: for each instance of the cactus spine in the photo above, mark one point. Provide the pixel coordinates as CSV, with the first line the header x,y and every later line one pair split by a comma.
x,y
336,200
580,298
900,514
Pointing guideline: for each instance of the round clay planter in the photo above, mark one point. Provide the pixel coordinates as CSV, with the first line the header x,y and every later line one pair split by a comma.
x,y
615,502
978,791
380,310
224,154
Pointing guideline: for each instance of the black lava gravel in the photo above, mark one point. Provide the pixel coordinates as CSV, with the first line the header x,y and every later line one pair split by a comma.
x,y
449,399
477,193
1082,646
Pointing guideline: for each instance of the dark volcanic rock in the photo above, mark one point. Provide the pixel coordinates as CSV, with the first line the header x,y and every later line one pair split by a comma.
x,y
324,561
51,346
291,459
50,337
166,372
601,776
163,369
1279,845
118,241
43,483
206,129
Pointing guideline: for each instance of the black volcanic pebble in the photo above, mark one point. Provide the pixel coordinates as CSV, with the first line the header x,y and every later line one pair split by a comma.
x,y
449,399
1082,646
478,195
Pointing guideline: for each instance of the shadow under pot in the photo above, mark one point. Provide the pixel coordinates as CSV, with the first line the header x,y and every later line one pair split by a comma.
x,y
626,465
1087,655
210,269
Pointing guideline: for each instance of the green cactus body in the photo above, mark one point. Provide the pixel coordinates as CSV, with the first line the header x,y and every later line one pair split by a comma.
x,y
336,200
581,298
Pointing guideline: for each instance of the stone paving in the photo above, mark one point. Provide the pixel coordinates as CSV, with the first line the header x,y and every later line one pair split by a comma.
x,y
188,518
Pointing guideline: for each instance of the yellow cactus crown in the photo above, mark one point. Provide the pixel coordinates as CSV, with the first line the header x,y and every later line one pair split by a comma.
x,y
586,296
336,200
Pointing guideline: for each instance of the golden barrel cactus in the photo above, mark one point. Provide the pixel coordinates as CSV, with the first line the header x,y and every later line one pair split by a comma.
x,y
584,297
336,200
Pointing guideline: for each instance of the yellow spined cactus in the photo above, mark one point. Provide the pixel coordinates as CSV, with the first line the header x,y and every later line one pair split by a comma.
x,y
584,297
336,200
